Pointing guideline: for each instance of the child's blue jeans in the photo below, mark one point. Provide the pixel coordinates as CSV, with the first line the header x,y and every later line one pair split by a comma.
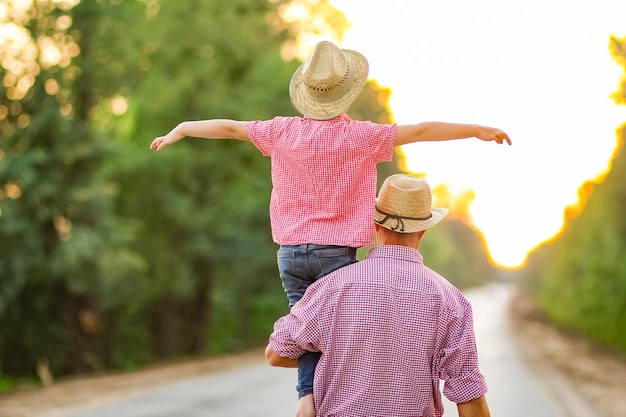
x,y
299,266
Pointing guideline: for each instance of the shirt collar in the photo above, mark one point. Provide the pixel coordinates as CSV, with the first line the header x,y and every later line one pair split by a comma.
x,y
398,252
340,117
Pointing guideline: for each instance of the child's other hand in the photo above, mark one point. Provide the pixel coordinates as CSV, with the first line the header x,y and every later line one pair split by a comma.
x,y
163,141
157,143
493,134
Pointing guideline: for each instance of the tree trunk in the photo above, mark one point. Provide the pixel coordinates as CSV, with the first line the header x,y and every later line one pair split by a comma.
x,y
197,317
81,320
164,329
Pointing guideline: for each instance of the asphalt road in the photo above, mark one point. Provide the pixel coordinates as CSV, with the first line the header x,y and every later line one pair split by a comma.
x,y
517,387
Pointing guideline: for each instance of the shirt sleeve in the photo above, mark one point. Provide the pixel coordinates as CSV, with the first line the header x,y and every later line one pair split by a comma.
x,y
263,134
298,331
458,358
380,139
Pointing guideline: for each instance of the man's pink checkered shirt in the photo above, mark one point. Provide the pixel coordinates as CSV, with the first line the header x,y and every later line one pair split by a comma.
x,y
389,329
323,176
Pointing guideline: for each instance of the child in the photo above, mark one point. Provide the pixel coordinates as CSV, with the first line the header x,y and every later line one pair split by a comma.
x,y
323,172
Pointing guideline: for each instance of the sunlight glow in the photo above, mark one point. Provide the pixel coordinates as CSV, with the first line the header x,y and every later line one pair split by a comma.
x,y
22,57
12,190
508,66
63,226
313,23
119,105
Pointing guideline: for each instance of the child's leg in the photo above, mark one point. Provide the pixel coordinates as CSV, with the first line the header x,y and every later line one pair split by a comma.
x,y
306,406
296,277
299,266
306,371
294,271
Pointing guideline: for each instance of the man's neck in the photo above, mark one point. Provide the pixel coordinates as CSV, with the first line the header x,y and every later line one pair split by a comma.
x,y
410,240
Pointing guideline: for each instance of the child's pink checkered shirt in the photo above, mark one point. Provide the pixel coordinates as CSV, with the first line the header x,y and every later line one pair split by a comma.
x,y
323,176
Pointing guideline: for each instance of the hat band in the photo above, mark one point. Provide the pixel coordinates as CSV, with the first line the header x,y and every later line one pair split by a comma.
x,y
399,219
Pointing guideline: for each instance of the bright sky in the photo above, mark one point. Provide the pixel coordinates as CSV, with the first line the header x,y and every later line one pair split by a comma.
x,y
538,69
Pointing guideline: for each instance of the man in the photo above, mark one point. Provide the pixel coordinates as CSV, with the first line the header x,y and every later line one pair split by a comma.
x,y
389,328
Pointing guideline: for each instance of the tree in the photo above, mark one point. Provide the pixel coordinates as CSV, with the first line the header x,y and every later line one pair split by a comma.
x,y
580,278
454,248
112,255
59,237
208,201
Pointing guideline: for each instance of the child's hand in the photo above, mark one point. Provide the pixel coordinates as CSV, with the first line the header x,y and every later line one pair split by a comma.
x,y
163,141
490,133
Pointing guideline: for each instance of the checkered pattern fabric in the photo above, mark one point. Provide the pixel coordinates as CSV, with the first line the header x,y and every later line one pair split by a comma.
x,y
389,329
323,176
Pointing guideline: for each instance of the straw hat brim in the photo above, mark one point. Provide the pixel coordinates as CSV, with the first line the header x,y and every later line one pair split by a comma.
x,y
408,225
333,106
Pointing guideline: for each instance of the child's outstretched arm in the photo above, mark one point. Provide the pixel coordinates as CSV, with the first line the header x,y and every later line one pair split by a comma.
x,y
434,131
206,129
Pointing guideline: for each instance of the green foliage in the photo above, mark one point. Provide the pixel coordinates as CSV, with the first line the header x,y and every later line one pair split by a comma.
x,y
455,251
617,46
110,252
207,200
56,231
582,285
580,278
112,255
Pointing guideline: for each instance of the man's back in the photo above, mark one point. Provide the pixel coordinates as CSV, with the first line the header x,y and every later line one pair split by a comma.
x,y
388,328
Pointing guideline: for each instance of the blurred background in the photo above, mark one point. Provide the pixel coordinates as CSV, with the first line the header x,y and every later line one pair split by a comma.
x,y
114,257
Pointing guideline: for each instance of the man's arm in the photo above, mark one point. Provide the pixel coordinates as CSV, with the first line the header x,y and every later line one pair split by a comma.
x,y
275,360
474,408
205,129
438,131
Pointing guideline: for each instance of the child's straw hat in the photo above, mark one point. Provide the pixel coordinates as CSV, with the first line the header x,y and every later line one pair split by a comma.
x,y
404,205
329,81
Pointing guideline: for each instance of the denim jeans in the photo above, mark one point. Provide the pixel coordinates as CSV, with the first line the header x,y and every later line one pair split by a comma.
x,y
299,266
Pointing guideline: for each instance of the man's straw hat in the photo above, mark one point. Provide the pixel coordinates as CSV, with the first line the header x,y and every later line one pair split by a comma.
x,y
329,81
404,205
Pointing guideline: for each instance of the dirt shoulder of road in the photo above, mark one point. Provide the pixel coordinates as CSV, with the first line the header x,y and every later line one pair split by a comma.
x,y
76,393
594,373
597,375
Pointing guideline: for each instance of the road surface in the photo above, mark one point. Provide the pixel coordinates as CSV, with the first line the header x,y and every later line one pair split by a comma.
x,y
517,388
